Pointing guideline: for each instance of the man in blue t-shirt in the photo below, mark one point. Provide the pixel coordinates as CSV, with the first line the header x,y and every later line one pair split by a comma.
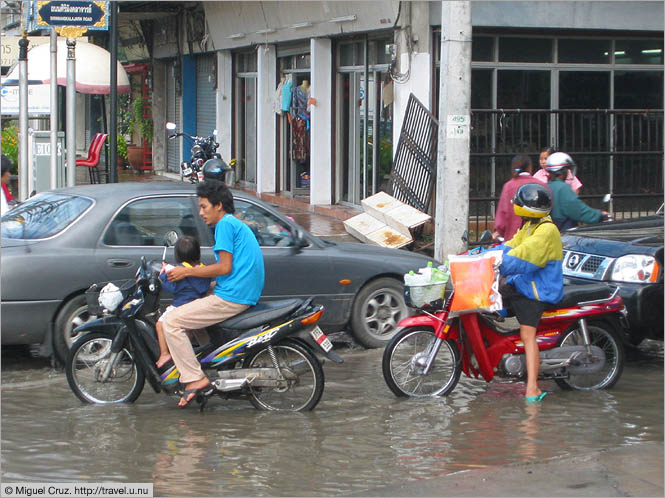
x,y
239,276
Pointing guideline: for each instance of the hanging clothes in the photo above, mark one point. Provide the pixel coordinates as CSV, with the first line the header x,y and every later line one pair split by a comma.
x,y
287,89
299,103
300,139
277,100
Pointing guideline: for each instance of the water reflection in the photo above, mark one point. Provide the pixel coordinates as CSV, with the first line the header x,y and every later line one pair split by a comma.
x,y
360,437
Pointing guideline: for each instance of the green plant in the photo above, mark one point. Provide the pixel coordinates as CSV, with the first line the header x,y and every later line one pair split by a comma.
x,y
124,115
139,123
122,146
10,144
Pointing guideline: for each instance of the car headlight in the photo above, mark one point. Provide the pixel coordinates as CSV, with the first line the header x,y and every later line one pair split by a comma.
x,y
635,268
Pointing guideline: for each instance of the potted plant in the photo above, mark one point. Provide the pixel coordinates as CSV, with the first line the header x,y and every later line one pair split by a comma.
x,y
122,151
142,126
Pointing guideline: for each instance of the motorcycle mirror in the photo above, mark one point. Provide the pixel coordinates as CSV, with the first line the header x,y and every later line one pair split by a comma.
x,y
170,238
171,126
214,132
607,198
465,236
486,238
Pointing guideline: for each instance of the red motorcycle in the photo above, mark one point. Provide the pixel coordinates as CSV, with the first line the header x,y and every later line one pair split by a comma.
x,y
578,338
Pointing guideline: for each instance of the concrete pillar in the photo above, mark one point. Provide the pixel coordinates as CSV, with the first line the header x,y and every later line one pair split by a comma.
x,y
224,96
159,75
266,123
414,62
321,122
452,179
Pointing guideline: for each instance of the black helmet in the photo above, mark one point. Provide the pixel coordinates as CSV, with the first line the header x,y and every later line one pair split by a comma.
x,y
216,169
532,200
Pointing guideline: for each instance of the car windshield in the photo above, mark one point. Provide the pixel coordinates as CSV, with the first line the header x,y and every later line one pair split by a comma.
x,y
43,216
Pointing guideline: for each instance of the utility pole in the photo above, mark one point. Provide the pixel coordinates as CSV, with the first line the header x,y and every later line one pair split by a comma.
x,y
23,186
452,180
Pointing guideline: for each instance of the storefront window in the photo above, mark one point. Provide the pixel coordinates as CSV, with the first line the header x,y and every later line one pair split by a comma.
x,y
584,90
523,89
245,105
580,51
638,90
482,48
294,123
364,124
638,51
525,49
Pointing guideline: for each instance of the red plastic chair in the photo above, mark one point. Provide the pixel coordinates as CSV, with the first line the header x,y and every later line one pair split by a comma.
x,y
94,154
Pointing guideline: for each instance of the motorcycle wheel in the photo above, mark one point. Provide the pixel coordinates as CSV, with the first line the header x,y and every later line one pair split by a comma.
x,y
87,360
402,364
302,394
606,339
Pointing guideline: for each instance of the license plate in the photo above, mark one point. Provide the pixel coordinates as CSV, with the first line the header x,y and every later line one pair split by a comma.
x,y
200,173
321,339
186,171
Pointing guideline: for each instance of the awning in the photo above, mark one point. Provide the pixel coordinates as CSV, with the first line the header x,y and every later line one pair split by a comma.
x,y
93,65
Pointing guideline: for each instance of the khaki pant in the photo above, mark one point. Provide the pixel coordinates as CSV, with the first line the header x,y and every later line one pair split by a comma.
x,y
197,314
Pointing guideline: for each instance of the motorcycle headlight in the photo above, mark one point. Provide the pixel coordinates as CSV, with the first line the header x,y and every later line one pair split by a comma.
x,y
197,149
635,268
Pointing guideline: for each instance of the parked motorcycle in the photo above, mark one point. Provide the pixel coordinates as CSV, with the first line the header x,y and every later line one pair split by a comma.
x,y
203,148
266,354
579,341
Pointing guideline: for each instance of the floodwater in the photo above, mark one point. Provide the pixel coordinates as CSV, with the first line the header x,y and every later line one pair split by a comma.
x,y
360,436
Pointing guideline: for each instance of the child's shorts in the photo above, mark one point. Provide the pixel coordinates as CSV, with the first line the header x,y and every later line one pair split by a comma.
x,y
170,307
527,311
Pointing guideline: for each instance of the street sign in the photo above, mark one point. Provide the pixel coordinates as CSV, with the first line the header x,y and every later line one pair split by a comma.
x,y
65,13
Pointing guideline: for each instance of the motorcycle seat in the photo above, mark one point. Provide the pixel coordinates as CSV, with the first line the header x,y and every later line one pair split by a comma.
x,y
264,312
574,294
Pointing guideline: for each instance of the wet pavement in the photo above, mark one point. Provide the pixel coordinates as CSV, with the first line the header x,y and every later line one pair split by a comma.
x,y
360,440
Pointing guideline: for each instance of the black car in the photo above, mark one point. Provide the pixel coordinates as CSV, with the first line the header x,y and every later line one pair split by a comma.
x,y
627,254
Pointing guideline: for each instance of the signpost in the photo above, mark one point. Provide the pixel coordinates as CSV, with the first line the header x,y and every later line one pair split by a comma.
x,y
70,19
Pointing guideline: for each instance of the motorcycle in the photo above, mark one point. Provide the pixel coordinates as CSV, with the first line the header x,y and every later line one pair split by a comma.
x,y
203,148
578,338
265,354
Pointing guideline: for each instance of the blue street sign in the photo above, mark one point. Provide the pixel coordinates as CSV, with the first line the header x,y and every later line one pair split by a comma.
x,y
91,15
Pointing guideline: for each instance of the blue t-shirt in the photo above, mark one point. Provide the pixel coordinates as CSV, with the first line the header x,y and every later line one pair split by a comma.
x,y
245,282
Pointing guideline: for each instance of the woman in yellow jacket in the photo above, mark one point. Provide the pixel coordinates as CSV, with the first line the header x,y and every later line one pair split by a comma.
x,y
532,267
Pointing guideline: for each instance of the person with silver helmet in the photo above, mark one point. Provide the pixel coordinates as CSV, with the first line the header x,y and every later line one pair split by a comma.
x,y
568,209
533,275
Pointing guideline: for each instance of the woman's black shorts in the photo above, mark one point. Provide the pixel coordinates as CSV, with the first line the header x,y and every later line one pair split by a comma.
x,y
527,311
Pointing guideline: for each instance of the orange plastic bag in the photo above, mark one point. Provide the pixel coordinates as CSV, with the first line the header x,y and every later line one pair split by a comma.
x,y
476,281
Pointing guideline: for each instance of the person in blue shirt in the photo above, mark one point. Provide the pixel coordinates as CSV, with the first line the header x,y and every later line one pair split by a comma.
x,y
187,253
239,277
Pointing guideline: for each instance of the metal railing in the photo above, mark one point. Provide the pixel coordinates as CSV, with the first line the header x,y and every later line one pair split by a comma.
x,y
617,151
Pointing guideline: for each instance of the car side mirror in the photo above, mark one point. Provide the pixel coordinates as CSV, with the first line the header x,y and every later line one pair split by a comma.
x,y
299,239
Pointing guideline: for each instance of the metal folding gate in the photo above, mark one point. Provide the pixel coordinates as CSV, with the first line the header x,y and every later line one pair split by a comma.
x,y
414,168
206,105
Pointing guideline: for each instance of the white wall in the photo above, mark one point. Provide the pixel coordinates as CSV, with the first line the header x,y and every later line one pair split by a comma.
x,y
321,122
266,124
224,104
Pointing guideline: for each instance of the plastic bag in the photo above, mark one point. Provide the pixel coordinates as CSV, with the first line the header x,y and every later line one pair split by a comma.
x,y
476,281
110,296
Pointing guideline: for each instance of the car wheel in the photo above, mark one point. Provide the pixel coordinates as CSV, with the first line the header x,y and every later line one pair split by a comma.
x,y
378,308
72,314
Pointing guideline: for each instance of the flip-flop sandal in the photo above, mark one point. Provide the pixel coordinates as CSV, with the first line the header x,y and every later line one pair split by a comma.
x,y
536,400
195,392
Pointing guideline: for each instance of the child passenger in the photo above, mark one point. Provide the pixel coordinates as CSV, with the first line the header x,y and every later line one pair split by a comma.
x,y
188,254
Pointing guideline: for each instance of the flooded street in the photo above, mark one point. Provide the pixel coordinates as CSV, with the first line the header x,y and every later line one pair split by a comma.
x,y
360,436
